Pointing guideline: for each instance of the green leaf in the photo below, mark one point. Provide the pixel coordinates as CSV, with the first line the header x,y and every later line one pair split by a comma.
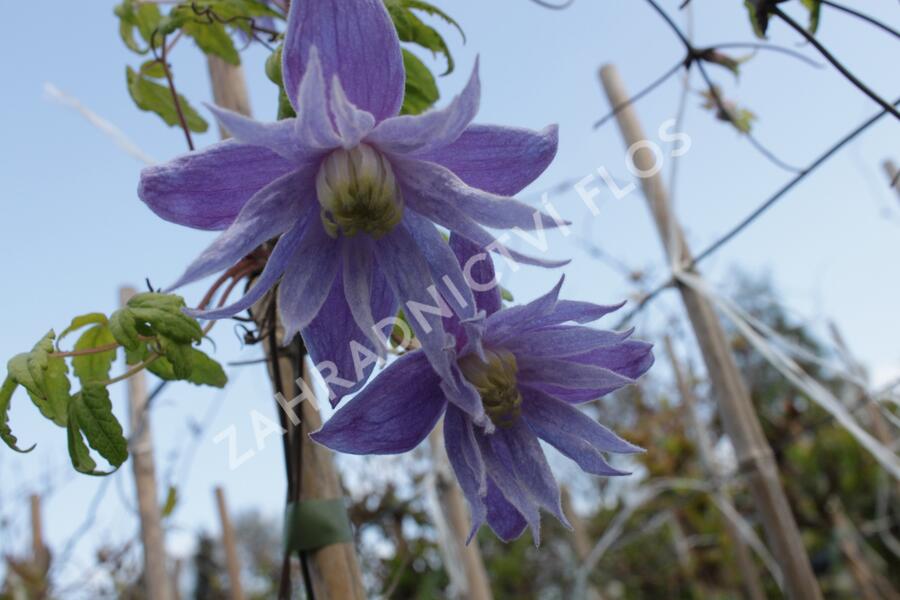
x,y
144,17
212,38
6,394
82,321
162,314
94,367
178,355
204,370
78,450
44,378
94,416
153,69
153,97
815,10
758,11
729,112
411,29
421,88
123,326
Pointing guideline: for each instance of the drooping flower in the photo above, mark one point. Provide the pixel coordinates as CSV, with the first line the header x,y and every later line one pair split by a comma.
x,y
353,190
521,372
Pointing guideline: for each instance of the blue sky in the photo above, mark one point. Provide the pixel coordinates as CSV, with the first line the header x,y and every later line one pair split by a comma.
x,y
73,229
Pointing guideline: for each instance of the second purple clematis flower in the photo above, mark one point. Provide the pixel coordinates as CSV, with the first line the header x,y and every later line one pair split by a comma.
x,y
521,372
353,190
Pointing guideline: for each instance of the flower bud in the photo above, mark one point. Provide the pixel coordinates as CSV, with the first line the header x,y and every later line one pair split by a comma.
x,y
358,192
495,380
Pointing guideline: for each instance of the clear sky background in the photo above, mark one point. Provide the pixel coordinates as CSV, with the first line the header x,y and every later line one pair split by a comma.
x,y
73,229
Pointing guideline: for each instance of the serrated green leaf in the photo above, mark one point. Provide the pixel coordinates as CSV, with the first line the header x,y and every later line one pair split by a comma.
x,y
421,88
94,416
94,367
153,97
178,355
204,370
212,38
78,450
44,378
410,28
144,17
6,394
82,321
123,327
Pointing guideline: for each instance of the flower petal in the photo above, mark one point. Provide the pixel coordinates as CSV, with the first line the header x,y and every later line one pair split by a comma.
x,y
279,137
573,433
357,274
308,280
503,518
409,275
313,124
434,129
563,341
478,270
432,188
336,344
465,458
271,212
569,375
352,123
506,324
357,42
392,414
207,189
281,258
502,160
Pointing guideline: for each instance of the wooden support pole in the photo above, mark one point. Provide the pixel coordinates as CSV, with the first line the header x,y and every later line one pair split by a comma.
x,y
747,573
453,505
893,174
754,455
333,570
230,542
158,584
580,538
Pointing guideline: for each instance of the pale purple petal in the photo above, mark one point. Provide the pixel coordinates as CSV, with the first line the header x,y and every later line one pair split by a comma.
x,y
465,458
308,280
357,42
336,344
352,123
503,518
434,129
208,188
569,375
357,275
563,341
409,275
458,222
391,415
573,433
502,160
430,189
271,212
518,448
631,358
508,323
445,268
282,257
313,124
463,395
478,269
500,468
279,137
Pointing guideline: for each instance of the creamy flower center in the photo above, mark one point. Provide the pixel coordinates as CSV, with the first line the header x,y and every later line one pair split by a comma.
x,y
358,192
495,380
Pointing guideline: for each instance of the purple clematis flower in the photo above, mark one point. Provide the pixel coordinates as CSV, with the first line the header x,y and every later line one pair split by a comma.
x,y
354,191
521,372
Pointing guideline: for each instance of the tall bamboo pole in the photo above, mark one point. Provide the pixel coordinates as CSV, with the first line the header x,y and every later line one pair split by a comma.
x,y
747,574
158,584
333,571
754,455
453,505
230,542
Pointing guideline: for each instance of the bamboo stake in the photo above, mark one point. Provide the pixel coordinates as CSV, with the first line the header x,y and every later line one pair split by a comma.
x,y
747,574
452,504
230,542
39,553
891,170
158,584
334,570
580,538
755,458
